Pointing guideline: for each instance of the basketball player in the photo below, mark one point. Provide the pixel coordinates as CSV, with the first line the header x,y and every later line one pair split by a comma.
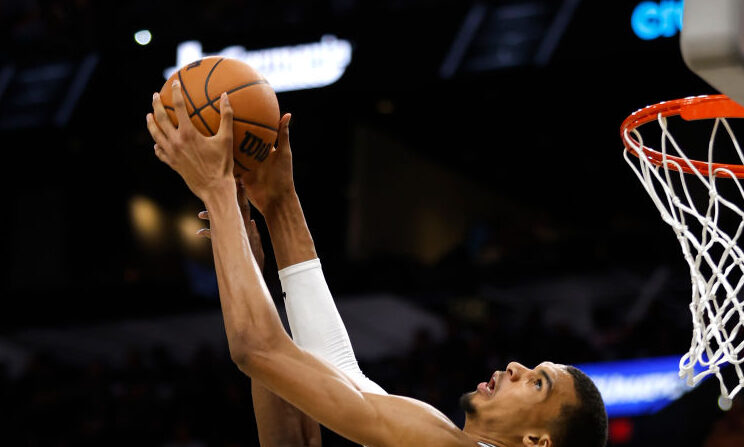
x,y
550,405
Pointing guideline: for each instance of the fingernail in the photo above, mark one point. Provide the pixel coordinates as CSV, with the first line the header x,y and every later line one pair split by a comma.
x,y
225,99
155,96
176,84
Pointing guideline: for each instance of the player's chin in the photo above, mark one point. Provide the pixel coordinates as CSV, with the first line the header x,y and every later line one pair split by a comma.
x,y
467,402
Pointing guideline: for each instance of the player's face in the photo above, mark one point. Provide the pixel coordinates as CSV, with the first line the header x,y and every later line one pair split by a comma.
x,y
520,400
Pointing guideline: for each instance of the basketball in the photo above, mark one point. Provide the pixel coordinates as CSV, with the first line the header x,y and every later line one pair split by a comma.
x,y
254,103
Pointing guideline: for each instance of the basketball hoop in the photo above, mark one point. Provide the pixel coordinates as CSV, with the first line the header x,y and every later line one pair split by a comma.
x,y
708,228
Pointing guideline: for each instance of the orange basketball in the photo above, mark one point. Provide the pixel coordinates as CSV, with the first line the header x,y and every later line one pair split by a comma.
x,y
254,103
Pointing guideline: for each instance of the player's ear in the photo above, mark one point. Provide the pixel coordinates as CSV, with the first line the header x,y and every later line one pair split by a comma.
x,y
533,440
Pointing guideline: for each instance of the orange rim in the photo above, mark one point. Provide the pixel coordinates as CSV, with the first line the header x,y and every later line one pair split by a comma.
x,y
690,109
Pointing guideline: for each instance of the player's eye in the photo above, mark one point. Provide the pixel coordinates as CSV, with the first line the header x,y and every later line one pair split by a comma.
x,y
538,384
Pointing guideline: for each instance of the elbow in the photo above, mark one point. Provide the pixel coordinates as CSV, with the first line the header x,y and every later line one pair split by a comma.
x,y
241,359
248,353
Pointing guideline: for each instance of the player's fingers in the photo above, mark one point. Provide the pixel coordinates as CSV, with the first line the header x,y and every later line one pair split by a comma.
x,y
245,205
155,132
254,238
283,145
204,215
226,117
205,233
180,105
162,120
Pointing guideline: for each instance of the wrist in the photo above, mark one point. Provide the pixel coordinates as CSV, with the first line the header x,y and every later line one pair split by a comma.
x,y
219,191
290,236
281,206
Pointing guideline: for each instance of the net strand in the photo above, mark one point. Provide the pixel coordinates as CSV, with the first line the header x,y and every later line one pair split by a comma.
x,y
714,257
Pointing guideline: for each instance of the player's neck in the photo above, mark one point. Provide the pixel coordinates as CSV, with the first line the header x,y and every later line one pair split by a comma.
x,y
480,435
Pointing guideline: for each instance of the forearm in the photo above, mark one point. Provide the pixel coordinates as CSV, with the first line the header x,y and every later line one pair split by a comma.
x,y
313,318
289,233
281,424
315,322
251,320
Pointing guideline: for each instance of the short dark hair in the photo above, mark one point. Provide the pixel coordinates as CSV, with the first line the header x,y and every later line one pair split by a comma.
x,y
583,424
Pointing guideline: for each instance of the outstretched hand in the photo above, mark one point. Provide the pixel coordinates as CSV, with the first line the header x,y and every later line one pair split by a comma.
x,y
254,237
274,180
202,161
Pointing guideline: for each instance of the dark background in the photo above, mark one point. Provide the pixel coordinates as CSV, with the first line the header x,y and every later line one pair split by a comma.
x,y
537,145
542,142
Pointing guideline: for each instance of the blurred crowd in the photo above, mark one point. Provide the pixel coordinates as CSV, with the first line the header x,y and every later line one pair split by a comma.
x,y
149,400
481,290
152,399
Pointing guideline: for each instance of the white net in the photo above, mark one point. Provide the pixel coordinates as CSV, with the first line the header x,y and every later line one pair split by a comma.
x,y
708,227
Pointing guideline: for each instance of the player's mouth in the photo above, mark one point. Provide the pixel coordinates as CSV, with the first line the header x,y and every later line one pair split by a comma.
x,y
488,388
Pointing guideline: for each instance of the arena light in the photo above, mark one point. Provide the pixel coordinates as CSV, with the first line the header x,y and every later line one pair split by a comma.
x,y
147,218
297,67
638,386
188,225
143,37
651,20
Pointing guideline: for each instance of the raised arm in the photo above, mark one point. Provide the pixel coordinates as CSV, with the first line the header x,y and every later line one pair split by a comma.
x,y
313,317
279,423
256,338
314,320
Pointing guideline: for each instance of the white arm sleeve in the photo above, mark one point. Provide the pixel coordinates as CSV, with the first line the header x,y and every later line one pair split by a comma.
x,y
315,322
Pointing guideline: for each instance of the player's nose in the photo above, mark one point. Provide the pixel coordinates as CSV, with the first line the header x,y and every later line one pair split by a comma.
x,y
515,370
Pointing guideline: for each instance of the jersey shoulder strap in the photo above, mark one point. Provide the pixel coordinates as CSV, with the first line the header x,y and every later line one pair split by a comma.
x,y
484,444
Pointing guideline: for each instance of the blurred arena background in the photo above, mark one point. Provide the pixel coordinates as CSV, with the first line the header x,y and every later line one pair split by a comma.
x,y
462,179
